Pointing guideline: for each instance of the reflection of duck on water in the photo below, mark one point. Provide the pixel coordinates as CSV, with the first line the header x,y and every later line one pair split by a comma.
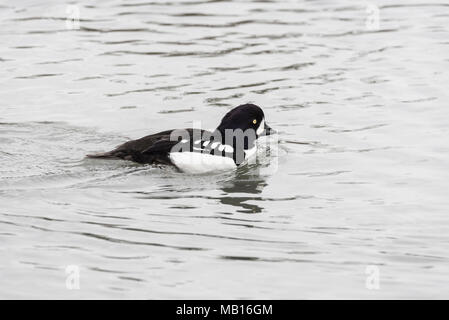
x,y
247,180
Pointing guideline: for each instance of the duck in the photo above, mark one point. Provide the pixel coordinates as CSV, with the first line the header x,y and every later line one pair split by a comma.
x,y
192,150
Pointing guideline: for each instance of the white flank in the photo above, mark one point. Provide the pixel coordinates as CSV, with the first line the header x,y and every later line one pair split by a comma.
x,y
250,152
195,162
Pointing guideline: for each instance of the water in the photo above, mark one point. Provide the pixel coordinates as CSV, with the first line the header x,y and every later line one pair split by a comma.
x,y
356,192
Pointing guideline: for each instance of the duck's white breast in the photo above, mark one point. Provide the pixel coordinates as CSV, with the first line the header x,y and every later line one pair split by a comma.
x,y
195,162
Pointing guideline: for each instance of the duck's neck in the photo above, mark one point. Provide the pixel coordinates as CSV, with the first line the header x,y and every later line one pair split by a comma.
x,y
234,138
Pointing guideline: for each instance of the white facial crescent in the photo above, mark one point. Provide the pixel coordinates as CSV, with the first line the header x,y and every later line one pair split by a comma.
x,y
261,128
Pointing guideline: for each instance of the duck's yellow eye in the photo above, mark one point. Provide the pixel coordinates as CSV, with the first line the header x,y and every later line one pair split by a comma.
x,y
254,121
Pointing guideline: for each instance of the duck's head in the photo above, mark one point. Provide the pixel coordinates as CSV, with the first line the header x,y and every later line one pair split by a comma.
x,y
246,117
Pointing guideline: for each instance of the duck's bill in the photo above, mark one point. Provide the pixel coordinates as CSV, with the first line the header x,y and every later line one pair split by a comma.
x,y
268,130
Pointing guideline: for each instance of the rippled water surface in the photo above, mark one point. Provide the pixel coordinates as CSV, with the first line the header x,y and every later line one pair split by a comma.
x,y
360,177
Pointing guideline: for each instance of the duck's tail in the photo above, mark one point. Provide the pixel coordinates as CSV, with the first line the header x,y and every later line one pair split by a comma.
x,y
103,155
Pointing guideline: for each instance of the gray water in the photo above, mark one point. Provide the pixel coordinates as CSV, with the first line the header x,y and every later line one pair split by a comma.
x,y
359,181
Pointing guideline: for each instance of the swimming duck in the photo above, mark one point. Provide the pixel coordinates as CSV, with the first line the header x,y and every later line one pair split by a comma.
x,y
230,145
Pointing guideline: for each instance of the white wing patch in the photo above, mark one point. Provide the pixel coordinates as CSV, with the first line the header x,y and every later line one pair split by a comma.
x,y
195,162
228,148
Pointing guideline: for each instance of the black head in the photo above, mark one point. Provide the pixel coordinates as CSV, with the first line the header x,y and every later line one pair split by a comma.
x,y
244,117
